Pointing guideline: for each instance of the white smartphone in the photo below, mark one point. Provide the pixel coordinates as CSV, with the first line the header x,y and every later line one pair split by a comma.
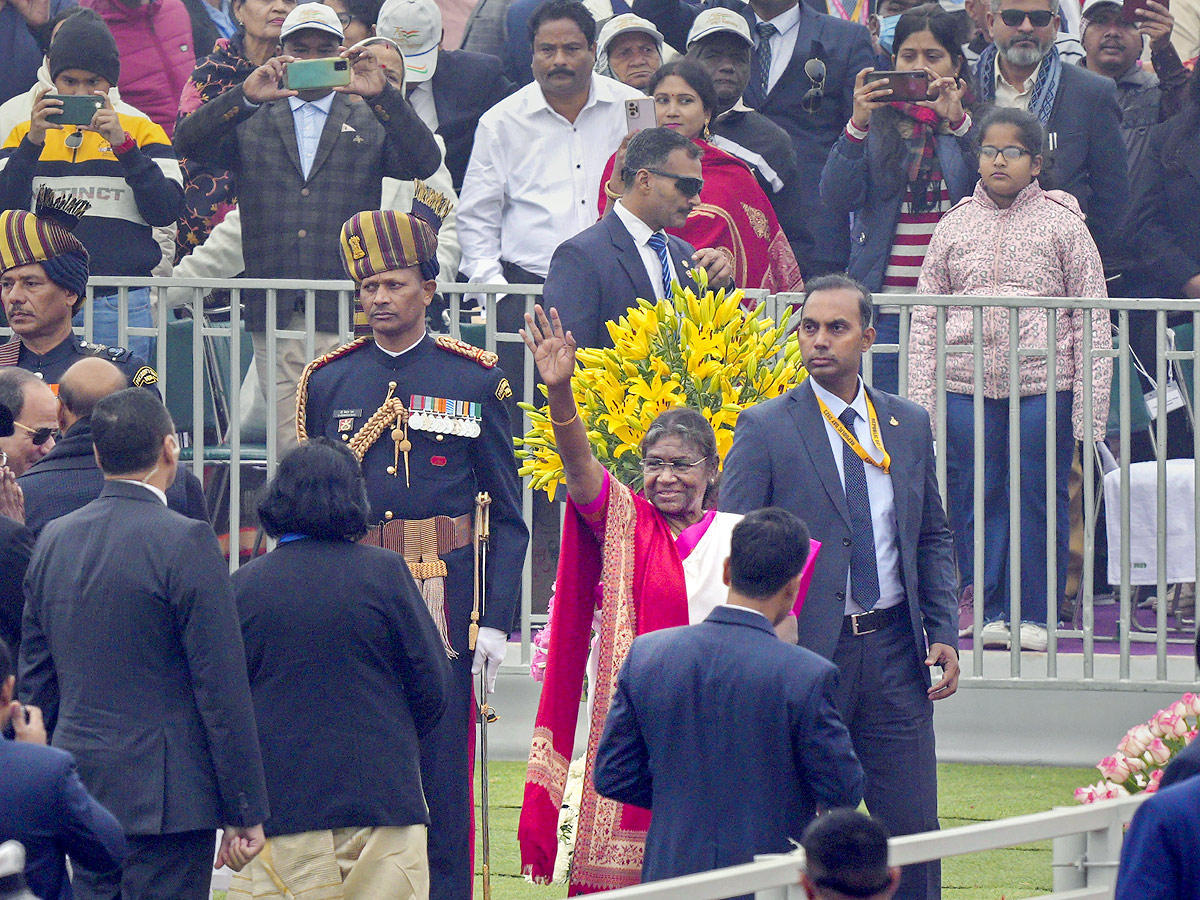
x,y
639,114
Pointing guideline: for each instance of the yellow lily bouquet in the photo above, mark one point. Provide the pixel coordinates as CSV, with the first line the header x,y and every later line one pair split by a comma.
x,y
705,352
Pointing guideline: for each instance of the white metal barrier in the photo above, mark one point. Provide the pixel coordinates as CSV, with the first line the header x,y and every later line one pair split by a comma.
x,y
214,397
1087,851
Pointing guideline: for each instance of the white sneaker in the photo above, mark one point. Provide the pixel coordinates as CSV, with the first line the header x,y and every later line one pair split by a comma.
x,y
995,635
1033,637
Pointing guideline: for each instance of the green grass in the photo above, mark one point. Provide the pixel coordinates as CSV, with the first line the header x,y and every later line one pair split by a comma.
x,y
967,794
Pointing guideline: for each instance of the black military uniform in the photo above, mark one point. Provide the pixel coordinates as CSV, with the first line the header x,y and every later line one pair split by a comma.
x,y
461,444
51,366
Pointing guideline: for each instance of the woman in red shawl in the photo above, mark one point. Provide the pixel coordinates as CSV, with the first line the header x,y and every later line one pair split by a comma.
x,y
734,213
646,561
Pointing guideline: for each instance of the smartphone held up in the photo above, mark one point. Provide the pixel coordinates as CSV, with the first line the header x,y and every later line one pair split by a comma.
x,y
76,109
911,85
317,74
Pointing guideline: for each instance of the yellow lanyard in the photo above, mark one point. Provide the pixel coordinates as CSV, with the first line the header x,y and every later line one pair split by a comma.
x,y
848,436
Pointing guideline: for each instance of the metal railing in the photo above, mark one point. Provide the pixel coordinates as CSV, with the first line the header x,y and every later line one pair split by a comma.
x,y
215,397
1087,851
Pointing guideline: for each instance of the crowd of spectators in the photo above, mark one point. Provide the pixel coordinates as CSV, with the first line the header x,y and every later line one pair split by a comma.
x,y
1054,154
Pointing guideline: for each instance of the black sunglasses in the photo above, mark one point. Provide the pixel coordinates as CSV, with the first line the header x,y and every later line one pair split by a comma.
x,y
685,184
39,435
1038,18
815,70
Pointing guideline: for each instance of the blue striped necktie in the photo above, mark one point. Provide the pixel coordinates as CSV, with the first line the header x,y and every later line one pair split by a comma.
x,y
760,73
864,572
658,243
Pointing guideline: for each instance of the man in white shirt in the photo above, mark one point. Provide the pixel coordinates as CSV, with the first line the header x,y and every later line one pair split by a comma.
x,y
539,155
662,185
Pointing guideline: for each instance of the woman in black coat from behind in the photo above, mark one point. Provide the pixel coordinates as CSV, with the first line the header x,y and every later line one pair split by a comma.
x,y
347,672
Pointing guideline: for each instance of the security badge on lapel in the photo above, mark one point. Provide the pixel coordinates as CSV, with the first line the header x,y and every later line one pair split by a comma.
x,y
438,415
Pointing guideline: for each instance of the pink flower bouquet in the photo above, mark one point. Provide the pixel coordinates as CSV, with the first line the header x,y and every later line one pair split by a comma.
x,y
1144,752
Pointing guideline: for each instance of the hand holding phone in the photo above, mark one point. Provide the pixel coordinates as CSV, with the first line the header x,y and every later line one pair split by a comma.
x,y
911,85
1153,19
640,115
317,74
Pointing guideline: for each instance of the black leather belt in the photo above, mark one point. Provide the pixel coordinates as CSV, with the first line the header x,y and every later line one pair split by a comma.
x,y
876,619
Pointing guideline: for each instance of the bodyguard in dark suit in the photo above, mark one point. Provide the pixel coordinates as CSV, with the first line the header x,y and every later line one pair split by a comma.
x,y
45,806
16,545
662,184
68,478
132,649
726,718
858,464
321,607
811,98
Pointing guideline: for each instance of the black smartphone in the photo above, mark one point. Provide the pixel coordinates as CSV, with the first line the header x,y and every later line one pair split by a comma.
x,y
77,109
908,85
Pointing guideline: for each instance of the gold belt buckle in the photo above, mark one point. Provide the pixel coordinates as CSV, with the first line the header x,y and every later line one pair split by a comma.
x,y
854,624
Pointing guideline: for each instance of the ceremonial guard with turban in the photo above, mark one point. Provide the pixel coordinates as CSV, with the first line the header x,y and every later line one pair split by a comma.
x,y
43,283
426,417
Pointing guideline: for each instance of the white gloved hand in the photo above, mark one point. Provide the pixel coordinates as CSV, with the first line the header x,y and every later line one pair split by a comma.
x,y
490,646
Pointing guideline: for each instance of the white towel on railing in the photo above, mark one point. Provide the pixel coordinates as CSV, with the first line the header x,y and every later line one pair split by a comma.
x,y
1180,532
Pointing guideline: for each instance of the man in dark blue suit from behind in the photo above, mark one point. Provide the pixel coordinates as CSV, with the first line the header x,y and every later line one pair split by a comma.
x,y
662,178
44,805
725,717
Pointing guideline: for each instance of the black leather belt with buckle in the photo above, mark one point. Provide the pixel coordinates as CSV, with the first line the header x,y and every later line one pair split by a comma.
x,y
870,622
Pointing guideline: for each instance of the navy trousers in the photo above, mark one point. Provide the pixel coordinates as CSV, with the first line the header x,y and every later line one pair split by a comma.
x,y
883,699
960,476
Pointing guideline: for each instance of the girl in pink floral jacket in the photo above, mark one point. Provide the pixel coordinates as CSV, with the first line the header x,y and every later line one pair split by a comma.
x,y
1011,238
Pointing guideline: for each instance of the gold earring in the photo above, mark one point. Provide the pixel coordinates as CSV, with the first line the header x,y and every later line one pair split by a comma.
x,y
706,134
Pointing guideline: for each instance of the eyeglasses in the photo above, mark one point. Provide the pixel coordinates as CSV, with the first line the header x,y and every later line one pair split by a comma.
x,y
345,18
685,184
652,465
1012,154
39,435
1038,18
815,70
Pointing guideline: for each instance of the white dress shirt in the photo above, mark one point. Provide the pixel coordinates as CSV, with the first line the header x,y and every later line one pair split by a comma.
x,y
880,492
534,177
1014,96
151,488
421,99
309,120
641,233
782,44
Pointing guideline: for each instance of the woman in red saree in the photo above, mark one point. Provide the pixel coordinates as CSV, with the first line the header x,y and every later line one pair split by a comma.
x,y
734,213
648,561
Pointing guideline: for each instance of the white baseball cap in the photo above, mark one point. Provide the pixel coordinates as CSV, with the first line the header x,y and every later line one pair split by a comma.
x,y
416,25
716,20
626,23
1092,5
314,16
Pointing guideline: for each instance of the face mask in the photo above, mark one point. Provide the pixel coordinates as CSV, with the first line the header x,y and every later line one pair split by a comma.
x,y
887,31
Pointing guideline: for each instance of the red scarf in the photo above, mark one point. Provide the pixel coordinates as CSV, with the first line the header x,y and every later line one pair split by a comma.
x,y
924,173
643,590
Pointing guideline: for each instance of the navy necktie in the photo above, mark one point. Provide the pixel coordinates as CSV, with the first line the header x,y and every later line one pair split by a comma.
x,y
760,66
658,243
864,573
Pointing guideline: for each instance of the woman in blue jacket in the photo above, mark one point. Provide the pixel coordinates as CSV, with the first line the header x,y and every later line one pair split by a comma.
x,y
899,165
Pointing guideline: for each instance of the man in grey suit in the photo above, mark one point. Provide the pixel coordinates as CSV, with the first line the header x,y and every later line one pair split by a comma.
x,y
858,465
132,648
662,178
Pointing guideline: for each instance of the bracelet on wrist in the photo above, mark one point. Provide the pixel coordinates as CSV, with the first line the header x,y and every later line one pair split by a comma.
x,y
569,421
610,193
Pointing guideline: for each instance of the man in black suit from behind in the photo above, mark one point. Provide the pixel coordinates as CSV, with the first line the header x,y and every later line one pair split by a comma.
x,y
132,648
662,178
449,89
68,477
